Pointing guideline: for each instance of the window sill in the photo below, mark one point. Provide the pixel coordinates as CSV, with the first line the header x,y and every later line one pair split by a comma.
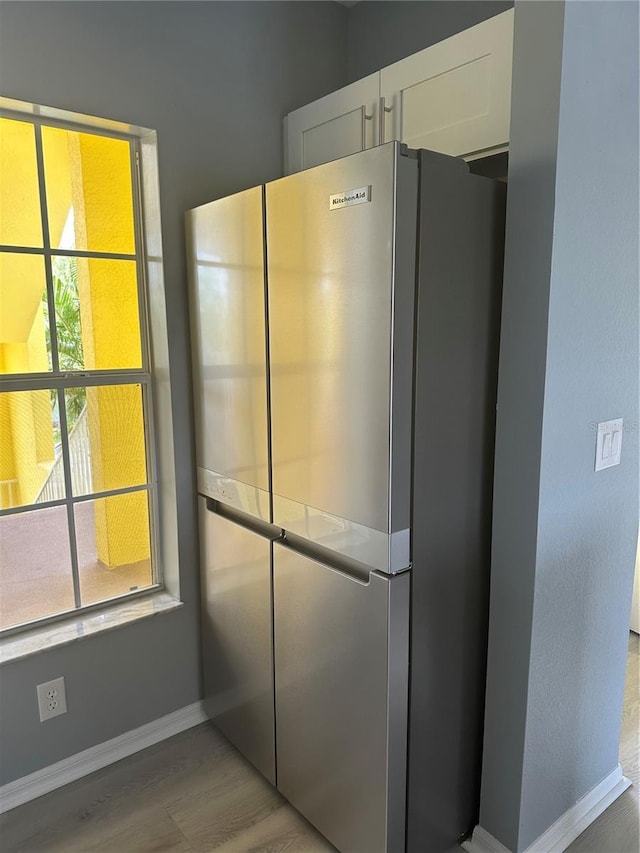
x,y
75,628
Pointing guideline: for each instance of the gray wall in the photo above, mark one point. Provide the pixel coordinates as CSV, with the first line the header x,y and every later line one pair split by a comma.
x,y
564,536
214,79
384,31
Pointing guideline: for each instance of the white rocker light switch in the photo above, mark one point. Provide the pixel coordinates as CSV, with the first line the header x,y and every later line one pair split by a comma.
x,y
608,444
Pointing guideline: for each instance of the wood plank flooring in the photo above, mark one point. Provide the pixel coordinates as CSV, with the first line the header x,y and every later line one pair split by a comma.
x,y
194,792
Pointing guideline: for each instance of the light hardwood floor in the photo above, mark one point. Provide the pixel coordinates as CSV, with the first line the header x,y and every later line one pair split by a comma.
x,y
194,792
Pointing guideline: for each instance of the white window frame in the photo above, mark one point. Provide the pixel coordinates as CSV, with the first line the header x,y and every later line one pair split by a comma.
x,y
154,338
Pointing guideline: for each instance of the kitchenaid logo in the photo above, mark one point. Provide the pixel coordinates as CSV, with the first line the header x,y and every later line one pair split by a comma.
x,y
361,195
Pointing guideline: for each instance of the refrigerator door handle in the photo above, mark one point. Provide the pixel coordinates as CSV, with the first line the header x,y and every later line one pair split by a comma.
x,y
351,569
255,525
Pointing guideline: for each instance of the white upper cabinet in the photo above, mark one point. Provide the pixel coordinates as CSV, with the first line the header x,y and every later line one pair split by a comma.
x,y
339,124
453,97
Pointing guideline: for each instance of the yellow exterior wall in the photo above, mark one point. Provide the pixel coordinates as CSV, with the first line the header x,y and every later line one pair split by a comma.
x,y
8,473
101,190
91,174
20,220
26,412
26,431
57,167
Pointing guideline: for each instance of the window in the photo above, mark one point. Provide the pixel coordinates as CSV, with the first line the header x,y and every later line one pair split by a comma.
x,y
78,479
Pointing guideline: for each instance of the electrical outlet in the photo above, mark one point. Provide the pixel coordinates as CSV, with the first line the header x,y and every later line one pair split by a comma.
x,y
52,699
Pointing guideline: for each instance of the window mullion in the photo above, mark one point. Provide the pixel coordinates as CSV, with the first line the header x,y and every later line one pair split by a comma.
x,y
44,381
67,253
68,488
48,268
111,493
78,499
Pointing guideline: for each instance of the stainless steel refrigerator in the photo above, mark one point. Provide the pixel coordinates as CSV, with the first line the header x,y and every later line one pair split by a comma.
x,y
345,327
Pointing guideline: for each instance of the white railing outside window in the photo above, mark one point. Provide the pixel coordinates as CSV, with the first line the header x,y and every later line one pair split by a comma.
x,y
80,459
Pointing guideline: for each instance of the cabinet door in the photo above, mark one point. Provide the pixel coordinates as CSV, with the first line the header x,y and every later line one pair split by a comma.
x,y
237,636
341,661
454,97
334,126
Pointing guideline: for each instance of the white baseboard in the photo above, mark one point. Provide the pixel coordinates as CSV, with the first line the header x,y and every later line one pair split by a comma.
x,y
96,757
576,819
568,827
483,842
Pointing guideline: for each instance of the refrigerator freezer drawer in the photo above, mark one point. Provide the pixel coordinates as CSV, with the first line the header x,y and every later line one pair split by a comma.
x,y
237,636
341,663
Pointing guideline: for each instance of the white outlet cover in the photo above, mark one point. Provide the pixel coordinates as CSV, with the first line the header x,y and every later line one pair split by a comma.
x,y
52,699
609,444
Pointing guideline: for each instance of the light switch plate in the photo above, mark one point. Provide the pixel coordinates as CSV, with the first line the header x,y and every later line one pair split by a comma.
x,y
608,444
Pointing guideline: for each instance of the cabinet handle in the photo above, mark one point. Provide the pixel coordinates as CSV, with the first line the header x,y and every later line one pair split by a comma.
x,y
383,108
364,119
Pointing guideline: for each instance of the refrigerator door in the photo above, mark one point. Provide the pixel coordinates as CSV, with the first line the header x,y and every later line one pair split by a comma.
x,y
225,247
237,636
341,267
341,664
